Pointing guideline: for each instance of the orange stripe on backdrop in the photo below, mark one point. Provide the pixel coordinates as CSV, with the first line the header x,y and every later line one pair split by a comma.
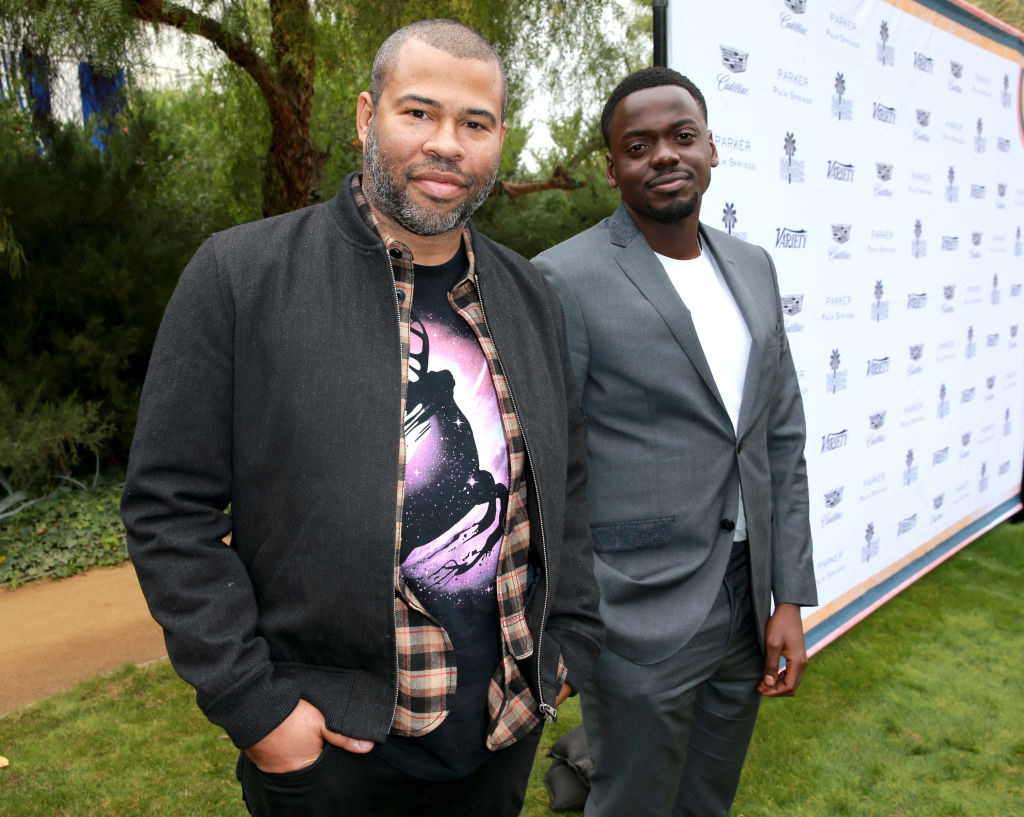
x,y
853,594
943,23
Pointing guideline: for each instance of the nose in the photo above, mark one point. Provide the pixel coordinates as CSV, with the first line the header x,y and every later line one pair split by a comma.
x,y
664,153
443,141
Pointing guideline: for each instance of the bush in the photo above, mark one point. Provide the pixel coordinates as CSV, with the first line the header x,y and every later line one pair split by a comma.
x,y
40,440
68,533
101,254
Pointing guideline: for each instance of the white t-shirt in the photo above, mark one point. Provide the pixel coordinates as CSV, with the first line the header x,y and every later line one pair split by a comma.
x,y
724,336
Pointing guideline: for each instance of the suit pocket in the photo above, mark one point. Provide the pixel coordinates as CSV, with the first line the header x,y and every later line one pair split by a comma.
x,y
618,537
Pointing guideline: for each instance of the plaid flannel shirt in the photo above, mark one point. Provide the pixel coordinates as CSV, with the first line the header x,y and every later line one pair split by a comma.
x,y
426,659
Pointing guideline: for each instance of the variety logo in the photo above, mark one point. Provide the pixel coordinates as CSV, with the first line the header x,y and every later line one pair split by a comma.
x,y
967,395
1002,144
790,239
952,190
790,169
992,340
836,381
979,140
880,308
922,62
870,549
907,525
943,407
1004,468
884,52
839,171
877,366
940,456
910,475
919,246
834,440
950,243
917,300
841,108
978,191
881,113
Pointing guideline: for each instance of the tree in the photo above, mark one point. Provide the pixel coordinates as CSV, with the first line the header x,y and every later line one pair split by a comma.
x,y
277,45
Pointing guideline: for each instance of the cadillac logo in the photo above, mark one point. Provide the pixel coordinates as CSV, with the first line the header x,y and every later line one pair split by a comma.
x,y
792,304
840,233
734,59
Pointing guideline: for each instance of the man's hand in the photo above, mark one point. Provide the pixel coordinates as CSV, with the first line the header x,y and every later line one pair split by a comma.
x,y
784,636
298,741
565,692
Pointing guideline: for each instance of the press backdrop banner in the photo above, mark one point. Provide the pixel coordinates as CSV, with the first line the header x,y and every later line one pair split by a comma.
x,y
876,150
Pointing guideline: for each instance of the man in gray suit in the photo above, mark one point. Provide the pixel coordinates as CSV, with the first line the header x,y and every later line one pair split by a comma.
x,y
698,488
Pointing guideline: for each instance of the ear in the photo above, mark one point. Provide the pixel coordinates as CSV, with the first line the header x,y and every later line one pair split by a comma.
x,y
501,134
714,149
609,170
364,114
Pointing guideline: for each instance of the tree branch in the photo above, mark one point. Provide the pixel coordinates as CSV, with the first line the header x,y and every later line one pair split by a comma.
x,y
560,180
238,51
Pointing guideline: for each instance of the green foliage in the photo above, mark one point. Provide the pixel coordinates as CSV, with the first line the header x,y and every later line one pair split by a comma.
x,y
102,253
70,532
39,440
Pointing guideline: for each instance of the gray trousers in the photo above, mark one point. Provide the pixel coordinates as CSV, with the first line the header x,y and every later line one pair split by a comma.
x,y
669,739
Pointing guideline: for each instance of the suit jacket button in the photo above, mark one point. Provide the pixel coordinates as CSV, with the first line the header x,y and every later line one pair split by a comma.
x,y
727,525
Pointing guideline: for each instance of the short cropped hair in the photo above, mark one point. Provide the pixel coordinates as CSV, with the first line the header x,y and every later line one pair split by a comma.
x,y
450,36
638,81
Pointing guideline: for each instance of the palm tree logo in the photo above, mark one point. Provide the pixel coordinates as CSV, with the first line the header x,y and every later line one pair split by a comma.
x,y
840,86
885,53
836,380
879,310
729,217
917,248
789,146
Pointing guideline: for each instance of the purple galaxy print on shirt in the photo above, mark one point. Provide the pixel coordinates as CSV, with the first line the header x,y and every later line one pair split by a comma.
x,y
456,474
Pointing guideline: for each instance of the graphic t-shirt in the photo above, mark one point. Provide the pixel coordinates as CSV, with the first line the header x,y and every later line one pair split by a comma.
x,y
456,497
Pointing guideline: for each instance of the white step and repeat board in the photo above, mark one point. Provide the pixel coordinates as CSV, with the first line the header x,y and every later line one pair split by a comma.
x,y
875,148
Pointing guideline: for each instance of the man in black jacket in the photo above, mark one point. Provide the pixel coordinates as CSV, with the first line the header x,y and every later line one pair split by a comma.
x,y
383,398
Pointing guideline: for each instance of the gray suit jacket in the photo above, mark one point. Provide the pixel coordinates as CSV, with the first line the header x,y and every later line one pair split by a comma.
x,y
664,459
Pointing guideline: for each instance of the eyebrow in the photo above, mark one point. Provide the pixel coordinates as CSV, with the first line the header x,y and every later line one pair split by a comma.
x,y
644,131
427,102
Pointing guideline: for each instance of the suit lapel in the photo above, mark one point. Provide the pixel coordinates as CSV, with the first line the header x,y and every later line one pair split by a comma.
x,y
638,261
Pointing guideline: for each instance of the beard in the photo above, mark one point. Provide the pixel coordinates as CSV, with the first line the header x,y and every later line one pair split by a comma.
x,y
386,188
677,210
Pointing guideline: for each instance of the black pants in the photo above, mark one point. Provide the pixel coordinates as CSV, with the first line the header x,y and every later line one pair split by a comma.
x,y
342,784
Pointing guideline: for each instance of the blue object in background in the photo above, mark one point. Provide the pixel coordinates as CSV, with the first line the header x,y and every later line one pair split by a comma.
x,y
101,98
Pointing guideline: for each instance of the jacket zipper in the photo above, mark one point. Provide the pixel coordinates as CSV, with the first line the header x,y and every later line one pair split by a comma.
x,y
548,712
398,519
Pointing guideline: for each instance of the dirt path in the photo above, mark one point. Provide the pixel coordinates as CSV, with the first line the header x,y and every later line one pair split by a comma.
x,y
56,633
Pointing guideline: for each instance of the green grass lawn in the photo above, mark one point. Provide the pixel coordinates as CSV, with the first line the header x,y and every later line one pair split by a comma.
x,y
917,711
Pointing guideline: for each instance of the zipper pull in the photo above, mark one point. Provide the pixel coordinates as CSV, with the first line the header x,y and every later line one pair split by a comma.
x,y
549,712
